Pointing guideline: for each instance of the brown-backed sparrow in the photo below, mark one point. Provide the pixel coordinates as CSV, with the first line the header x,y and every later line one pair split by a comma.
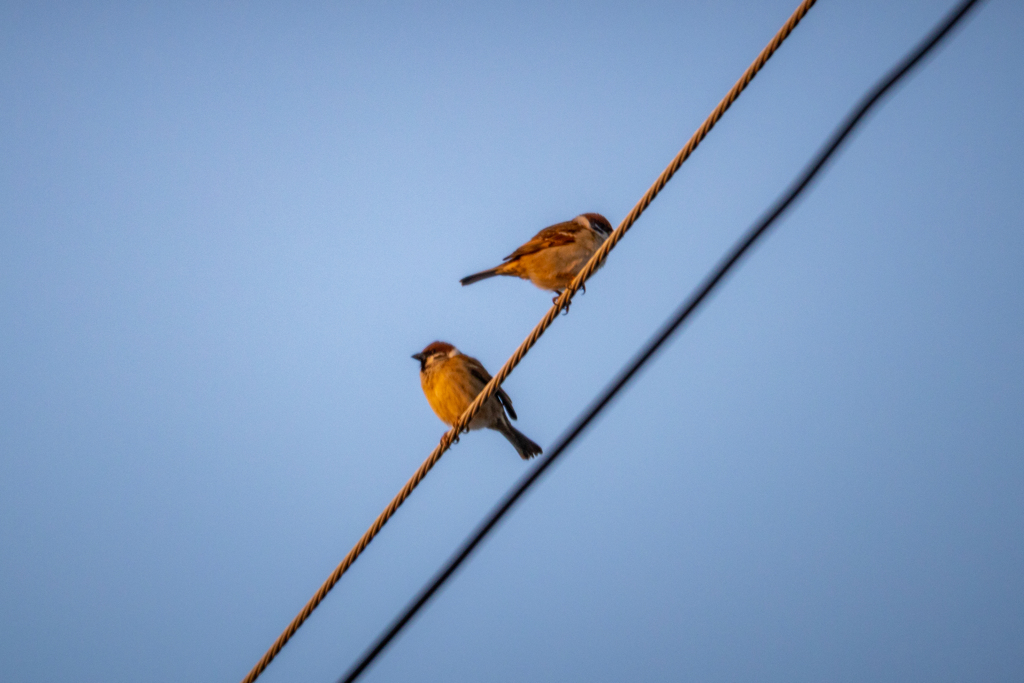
x,y
451,380
555,255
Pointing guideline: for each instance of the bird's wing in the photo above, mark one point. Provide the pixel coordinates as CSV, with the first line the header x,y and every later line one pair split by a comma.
x,y
478,371
551,236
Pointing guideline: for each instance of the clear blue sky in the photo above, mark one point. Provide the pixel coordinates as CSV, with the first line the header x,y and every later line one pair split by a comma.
x,y
224,227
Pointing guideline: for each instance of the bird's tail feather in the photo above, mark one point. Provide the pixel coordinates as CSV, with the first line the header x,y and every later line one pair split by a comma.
x,y
522,443
482,275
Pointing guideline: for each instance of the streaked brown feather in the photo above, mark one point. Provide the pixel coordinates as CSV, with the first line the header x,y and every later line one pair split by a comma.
x,y
477,369
552,236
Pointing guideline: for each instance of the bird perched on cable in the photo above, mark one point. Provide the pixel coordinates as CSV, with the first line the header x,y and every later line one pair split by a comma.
x,y
451,380
555,255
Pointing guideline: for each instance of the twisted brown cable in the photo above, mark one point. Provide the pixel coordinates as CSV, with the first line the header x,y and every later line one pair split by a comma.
x,y
562,302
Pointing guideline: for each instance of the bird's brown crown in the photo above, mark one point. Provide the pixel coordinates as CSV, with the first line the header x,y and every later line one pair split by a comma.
x,y
599,223
433,352
437,348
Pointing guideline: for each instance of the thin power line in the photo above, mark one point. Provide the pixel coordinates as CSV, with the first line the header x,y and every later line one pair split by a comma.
x,y
664,333
561,303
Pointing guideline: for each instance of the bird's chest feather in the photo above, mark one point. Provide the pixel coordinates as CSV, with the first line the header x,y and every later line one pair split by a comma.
x,y
449,391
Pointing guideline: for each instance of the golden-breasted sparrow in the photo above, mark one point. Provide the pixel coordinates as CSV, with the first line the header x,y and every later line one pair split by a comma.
x,y
451,380
555,255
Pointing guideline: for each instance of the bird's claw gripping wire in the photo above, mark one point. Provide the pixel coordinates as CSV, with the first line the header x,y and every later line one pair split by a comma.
x,y
464,430
568,302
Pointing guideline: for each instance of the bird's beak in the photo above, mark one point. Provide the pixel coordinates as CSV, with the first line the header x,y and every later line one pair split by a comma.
x,y
418,356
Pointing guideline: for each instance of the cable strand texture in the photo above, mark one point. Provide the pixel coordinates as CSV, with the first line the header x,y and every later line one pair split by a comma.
x,y
561,303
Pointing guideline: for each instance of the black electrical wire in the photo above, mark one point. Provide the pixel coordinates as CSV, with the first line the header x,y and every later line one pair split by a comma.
x,y
667,329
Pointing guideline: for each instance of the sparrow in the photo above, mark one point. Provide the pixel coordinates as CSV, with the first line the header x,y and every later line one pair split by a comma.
x,y
555,255
451,380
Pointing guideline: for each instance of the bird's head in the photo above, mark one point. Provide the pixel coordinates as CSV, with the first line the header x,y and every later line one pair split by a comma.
x,y
597,222
434,353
